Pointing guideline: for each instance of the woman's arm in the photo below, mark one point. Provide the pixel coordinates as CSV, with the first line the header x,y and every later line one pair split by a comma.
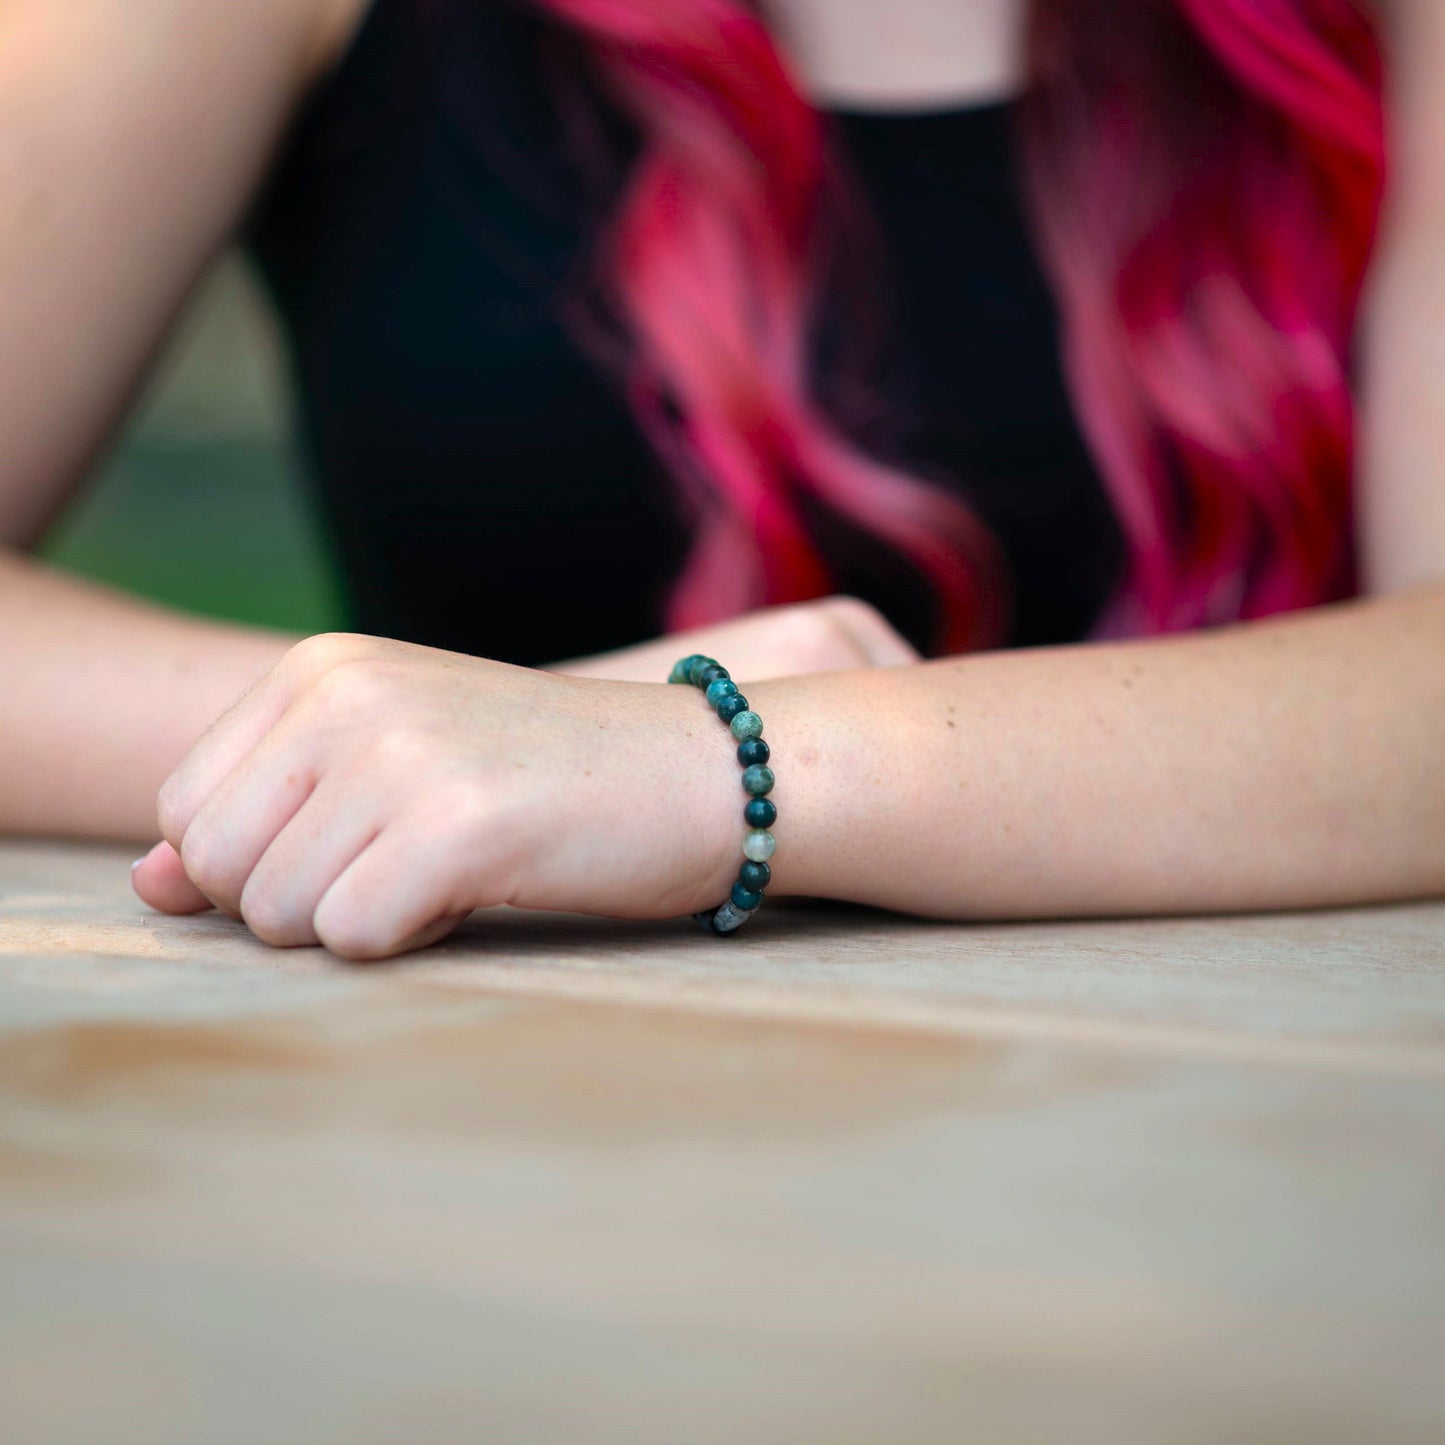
x,y
369,794
1290,762
131,134
102,695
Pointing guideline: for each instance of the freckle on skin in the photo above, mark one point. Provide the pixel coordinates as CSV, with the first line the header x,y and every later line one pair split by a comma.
x,y
951,723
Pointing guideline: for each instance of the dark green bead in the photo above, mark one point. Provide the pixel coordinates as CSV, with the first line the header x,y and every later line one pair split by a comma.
x,y
753,750
756,876
713,672
694,673
761,813
758,780
745,898
720,688
730,707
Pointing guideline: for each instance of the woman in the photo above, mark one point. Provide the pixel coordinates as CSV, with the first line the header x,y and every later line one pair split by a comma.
x,y
1233,505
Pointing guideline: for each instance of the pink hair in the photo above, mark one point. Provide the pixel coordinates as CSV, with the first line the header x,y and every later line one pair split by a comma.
x,y
1205,179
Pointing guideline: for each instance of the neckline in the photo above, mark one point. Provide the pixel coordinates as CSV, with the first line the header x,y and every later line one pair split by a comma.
x,y
933,113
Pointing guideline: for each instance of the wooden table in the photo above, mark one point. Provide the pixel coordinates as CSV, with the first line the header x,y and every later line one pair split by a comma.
x,y
848,1177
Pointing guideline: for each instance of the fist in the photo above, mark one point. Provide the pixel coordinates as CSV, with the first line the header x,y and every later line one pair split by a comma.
x,y
369,794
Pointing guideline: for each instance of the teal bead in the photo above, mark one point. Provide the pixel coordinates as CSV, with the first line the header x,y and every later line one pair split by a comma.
x,y
699,663
745,898
716,691
761,813
758,845
713,672
746,725
753,750
756,876
758,779
730,707
682,668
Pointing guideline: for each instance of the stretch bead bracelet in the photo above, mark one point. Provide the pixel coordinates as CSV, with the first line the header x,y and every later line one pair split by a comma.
x,y
722,694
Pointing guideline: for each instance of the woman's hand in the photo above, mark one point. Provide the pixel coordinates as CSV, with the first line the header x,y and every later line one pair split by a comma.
x,y
368,795
830,634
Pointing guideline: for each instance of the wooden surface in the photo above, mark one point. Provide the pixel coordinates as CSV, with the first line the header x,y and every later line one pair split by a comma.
x,y
845,1178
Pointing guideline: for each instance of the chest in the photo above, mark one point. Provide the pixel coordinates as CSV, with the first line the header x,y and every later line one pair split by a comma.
x,y
902,54
423,240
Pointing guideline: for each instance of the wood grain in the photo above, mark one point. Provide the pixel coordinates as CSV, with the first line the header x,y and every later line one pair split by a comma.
x,y
849,1178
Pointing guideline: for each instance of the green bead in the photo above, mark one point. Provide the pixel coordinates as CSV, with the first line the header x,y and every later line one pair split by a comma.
x,y
745,898
758,779
753,750
720,688
682,668
758,845
694,673
746,725
761,813
713,672
730,707
756,876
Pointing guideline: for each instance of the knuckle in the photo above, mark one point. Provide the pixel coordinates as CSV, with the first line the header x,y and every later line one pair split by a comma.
x,y
866,633
205,863
397,749
817,638
323,648
271,919
315,656
351,685
471,803
850,609
173,808
350,936
807,624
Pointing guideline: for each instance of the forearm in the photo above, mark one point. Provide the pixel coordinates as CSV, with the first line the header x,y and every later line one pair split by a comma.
x,y
102,695
1293,762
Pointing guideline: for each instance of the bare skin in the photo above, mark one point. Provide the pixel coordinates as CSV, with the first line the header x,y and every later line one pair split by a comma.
x,y
1283,763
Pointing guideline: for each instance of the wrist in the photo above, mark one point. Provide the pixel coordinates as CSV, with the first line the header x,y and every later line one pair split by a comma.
x,y
817,753
699,770
842,786
850,781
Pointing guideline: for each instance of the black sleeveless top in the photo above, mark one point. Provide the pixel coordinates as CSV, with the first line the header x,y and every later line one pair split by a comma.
x,y
488,487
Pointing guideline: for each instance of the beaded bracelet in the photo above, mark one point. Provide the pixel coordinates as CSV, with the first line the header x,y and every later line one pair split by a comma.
x,y
758,844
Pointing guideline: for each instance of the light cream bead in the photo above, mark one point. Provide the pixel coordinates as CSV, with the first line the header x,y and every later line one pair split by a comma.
x,y
758,845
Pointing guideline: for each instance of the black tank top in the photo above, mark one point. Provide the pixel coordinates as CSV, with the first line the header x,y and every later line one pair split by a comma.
x,y
487,485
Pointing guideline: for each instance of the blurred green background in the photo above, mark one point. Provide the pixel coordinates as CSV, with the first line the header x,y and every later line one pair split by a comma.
x,y
200,503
